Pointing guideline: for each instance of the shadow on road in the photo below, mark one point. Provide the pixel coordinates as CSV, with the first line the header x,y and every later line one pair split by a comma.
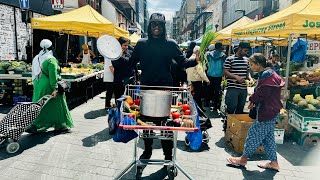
x,y
96,138
28,141
95,114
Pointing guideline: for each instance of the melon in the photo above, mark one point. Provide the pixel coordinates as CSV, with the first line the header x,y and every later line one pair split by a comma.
x,y
314,102
311,107
297,98
303,103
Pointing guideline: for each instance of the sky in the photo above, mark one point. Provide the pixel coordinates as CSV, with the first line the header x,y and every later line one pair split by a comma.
x,y
166,7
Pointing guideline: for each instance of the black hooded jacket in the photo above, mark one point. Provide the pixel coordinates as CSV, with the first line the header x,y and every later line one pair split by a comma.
x,y
155,57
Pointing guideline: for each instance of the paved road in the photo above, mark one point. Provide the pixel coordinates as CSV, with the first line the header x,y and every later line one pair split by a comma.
x,y
90,153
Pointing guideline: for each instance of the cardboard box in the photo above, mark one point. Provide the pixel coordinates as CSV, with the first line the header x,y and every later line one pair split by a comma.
x,y
237,144
304,124
239,124
305,138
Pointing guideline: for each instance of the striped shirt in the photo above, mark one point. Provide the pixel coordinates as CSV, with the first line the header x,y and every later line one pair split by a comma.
x,y
238,66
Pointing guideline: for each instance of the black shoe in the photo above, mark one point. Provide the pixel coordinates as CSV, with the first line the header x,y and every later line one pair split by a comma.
x,y
31,130
62,131
146,155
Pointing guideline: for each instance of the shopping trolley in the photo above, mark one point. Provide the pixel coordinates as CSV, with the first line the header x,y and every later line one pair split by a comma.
x,y
17,120
163,132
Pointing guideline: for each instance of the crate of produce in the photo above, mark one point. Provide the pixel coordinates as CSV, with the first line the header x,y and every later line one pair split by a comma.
x,y
307,105
305,138
71,76
279,135
303,123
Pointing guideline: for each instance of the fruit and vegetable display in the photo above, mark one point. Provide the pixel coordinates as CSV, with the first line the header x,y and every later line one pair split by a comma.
x,y
305,78
308,103
14,67
180,113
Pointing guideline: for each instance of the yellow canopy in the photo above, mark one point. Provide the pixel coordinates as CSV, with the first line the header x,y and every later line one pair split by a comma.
x,y
226,32
84,21
303,17
134,38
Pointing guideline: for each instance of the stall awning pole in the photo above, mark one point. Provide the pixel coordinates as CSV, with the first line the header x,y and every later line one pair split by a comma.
x,y
288,69
67,53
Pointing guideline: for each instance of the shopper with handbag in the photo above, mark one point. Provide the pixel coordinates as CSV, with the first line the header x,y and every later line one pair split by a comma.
x,y
267,102
47,81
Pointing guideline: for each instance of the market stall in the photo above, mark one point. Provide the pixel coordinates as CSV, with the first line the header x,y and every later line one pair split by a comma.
x,y
84,21
294,22
134,38
16,82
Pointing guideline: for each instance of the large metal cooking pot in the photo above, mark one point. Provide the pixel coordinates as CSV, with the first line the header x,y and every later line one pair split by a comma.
x,y
155,103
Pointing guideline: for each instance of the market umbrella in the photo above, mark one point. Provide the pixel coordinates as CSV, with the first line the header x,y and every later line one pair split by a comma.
x,y
84,21
134,38
299,18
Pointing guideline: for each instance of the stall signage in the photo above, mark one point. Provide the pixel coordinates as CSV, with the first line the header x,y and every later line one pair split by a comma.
x,y
57,4
313,47
24,4
262,29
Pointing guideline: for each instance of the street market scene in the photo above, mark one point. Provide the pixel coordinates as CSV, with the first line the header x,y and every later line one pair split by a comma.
x,y
159,89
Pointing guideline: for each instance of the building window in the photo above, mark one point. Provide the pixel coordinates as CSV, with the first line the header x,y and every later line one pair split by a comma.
x,y
208,1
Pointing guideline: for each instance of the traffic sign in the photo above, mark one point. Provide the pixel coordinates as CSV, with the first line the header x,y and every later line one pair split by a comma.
x,y
24,4
57,4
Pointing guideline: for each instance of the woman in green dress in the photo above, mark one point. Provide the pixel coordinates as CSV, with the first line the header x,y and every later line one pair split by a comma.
x,y
45,74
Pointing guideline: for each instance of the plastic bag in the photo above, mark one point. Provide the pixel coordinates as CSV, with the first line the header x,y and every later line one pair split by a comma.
x,y
125,136
113,120
195,138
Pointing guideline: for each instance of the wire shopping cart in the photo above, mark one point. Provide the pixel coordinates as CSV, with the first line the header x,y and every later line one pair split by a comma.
x,y
164,132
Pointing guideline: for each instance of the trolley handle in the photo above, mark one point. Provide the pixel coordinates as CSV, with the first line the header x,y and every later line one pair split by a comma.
x,y
44,100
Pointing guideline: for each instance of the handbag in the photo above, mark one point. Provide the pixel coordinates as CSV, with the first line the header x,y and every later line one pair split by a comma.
x,y
253,112
63,86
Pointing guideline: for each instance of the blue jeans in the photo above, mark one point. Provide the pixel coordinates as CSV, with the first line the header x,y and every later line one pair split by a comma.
x,y
262,133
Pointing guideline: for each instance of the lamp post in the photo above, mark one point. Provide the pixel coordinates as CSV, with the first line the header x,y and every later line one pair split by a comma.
x,y
241,10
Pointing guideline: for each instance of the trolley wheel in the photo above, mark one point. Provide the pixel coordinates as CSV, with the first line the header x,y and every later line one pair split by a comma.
x,y
205,136
139,173
12,147
172,172
186,141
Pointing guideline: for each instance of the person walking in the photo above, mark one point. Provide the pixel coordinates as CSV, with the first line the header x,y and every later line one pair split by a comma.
x,y
236,70
215,72
155,55
45,75
267,102
123,72
196,75
108,79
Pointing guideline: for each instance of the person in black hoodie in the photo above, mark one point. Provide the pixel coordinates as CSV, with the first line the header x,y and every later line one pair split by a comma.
x,y
155,55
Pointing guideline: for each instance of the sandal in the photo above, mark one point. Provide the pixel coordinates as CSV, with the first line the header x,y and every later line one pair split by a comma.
x,y
268,166
235,161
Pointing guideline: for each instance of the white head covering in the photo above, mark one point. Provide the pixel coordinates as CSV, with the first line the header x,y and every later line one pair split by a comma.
x,y
211,47
43,55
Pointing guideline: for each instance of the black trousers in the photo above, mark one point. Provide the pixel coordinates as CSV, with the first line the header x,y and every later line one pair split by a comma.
x,y
198,90
113,88
167,145
214,90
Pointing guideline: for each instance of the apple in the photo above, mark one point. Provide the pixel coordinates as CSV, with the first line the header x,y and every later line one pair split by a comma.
x,y
131,103
187,112
179,103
